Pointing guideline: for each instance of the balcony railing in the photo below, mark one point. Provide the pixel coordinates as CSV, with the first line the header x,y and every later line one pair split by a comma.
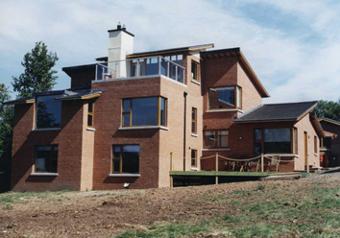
x,y
139,68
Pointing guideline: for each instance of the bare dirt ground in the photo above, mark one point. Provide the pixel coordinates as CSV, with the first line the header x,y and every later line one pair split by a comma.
x,y
110,213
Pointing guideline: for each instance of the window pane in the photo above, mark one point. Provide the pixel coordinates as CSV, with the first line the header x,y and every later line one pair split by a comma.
x,y
194,120
194,158
48,112
221,98
152,66
126,119
144,111
89,120
163,109
90,107
126,159
223,138
46,158
209,139
194,70
126,105
277,140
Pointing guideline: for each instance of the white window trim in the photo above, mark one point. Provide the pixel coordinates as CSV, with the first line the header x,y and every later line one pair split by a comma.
x,y
43,174
47,129
143,128
124,175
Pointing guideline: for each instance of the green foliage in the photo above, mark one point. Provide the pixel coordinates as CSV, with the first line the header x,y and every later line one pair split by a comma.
x,y
167,230
38,75
6,121
328,109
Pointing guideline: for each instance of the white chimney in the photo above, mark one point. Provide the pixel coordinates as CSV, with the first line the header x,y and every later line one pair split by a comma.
x,y
120,45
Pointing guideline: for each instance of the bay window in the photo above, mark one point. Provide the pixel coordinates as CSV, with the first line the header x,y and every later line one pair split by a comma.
x,y
225,97
147,111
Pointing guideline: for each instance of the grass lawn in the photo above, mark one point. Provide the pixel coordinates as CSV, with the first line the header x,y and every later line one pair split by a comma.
x,y
313,213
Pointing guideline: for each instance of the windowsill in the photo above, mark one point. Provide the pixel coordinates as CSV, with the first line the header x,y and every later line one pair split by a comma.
x,y
225,110
144,128
46,129
124,175
216,149
194,135
194,168
196,82
44,174
90,129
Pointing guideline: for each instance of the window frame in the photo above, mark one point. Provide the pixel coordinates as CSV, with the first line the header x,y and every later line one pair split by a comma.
x,y
36,111
196,74
217,144
90,114
194,120
35,157
194,159
129,112
121,159
237,97
315,145
261,142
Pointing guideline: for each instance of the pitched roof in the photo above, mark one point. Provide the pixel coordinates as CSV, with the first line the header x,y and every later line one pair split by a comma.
x,y
236,52
330,121
278,112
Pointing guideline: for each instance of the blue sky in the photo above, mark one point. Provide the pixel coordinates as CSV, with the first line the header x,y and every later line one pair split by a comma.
x,y
294,46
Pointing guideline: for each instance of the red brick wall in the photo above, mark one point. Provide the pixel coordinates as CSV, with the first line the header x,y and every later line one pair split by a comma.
x,y
69,149
107,123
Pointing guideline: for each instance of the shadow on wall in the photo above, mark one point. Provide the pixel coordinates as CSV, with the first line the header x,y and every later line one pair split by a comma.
x,y
5,172
23,158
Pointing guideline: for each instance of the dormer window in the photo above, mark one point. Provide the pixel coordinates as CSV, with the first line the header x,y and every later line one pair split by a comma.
x,y
48,112
225,98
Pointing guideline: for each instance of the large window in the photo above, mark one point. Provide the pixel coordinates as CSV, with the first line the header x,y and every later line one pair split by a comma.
x,y
272,140
48,112
46,159
225,98
125,159
194,120
148,111
216,139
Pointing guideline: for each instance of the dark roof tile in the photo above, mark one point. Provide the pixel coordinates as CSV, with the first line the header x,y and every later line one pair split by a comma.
x,y
278,112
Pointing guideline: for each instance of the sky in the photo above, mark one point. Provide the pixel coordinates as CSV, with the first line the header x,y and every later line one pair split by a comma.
x,y
293,46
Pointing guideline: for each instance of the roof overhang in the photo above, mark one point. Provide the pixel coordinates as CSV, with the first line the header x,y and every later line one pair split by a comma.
x,y
236,52
69,70
265,121
189,49
331,121
20,101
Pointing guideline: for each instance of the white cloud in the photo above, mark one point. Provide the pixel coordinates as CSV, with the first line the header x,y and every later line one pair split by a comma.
x,y
76,30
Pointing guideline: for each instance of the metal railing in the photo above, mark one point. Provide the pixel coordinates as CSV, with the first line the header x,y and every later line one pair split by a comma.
x,y
139,68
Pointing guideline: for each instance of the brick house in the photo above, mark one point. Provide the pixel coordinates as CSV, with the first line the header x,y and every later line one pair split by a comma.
x,y
133,117
330,143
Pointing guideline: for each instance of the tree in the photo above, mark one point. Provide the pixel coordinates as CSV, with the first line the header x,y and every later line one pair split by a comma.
x,y
6,121
328,109
39,75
